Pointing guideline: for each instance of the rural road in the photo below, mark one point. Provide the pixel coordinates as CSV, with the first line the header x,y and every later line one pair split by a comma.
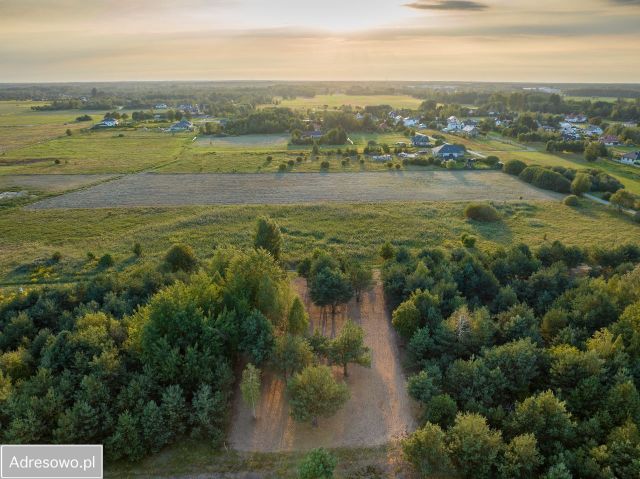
x,y
151,189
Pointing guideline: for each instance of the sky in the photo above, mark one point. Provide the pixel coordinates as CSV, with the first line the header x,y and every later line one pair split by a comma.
x,y
425,40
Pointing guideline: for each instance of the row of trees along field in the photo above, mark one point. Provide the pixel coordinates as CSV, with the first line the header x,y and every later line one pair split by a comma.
x,y
136,360
527,362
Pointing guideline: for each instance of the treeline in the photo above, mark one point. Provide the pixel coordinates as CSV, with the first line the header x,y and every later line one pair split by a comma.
x,y
535,102
561,179
526,362
266,120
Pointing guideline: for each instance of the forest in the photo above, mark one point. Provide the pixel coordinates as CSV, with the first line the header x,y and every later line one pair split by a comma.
x,y
526,362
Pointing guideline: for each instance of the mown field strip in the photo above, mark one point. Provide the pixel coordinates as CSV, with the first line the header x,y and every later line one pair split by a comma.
x,y
148,189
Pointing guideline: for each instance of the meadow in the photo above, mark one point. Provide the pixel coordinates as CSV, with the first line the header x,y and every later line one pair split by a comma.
x,y
31,237
113,151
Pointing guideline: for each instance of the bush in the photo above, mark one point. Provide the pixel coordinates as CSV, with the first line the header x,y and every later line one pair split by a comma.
x,y
137,249
546,179
106,261
282,167
68,132
325,165
491,161
398,166
581,184
467,240
636,217
317,464
571,200
180,258
269,159
387,251
291,162
56,257
623,199
514,167
481,212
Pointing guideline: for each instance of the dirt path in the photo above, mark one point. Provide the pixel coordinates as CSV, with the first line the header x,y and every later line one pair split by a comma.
x,y
378,411
149,189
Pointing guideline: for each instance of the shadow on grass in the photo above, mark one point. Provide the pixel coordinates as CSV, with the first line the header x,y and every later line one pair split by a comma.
x,y
497,231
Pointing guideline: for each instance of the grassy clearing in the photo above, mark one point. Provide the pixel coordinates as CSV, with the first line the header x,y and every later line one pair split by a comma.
x,y
95,152
336,101
21,126
191,459
31,237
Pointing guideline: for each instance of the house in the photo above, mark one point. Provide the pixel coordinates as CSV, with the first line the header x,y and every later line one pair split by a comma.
x,y
182,125
453,124
314,135
160,106
107,123
420,140
609,140
575,118
471,131
449,151
408,156
594,130
410,122
189,108
632,158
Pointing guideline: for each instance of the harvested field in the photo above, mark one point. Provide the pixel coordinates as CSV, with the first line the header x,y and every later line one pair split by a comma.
x,y
378,411
244,141
148,189
50,183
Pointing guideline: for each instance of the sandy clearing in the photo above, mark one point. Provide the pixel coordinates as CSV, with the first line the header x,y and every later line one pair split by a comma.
x,y
150,189
378,411
51,183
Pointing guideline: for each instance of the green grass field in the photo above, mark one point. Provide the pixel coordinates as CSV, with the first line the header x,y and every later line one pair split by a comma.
x,y
96,152
338,100
31,237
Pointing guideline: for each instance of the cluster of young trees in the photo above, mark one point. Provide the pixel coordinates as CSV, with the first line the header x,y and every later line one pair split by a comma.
x,y
265,120
526,365
563,180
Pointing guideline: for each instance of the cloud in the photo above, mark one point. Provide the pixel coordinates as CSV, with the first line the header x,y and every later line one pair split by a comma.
x,y
626,2
448,5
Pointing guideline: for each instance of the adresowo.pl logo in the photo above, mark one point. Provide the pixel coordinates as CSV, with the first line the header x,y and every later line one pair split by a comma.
x,y
51,461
